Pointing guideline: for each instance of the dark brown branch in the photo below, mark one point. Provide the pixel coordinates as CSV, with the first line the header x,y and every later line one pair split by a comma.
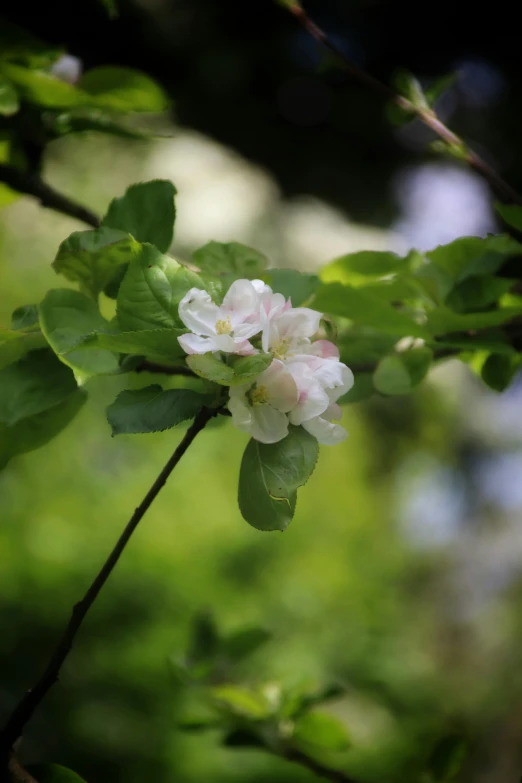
x,y
32,699
33,185
335,775
426,115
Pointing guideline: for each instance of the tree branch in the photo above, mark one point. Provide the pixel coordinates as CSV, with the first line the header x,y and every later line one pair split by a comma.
x,y
335,775
33,185
425,115
32,699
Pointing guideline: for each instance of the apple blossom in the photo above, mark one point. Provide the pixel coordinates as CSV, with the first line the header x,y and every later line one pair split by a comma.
x,y
260,408
325,427
224,328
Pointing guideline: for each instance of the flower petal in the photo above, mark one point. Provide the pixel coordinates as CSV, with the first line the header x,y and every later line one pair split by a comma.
x,y
198,312
268,425
345,384
280,386
239,408
298,322
240,302
323,348
327,432
313,399
193,343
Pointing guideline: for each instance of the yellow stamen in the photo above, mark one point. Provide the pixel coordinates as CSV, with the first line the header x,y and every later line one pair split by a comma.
x,y
259,395
224,326
280,349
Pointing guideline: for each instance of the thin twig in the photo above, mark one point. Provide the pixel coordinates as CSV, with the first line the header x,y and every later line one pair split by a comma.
x,y
33,185
335,775
32,699
426,115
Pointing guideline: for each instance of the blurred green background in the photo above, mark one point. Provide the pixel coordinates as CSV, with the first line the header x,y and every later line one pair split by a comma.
x,y
400,576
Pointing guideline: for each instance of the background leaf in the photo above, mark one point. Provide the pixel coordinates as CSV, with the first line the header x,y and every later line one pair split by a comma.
x,y
292,284
366,309
9,103
402,372
53,773
365,264
123,89
157,345
146,211
232,259
321,731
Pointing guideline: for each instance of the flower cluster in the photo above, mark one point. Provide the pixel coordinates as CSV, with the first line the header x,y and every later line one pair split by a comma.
x,y
305,379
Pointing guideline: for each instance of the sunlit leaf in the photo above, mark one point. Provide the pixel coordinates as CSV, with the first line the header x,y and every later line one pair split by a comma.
x,y
9,103
152,289
123,89
146,211
65,317
92,258
232,259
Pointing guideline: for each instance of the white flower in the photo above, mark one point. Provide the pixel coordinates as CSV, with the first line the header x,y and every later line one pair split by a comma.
x,y
325,427
286,328
260,408
226,328
322,360
67,68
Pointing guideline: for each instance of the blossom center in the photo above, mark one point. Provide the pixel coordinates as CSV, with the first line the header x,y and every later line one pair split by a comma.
x,y
224,325
259,395
280,349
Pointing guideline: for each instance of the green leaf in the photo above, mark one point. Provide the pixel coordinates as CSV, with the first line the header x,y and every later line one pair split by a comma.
x,y
146,211
362,389
402,372
447,758
111,6
43,88
152,289
233,259
469,256
65,317
321,731
498,370
476,293
9,103
9,153
25,317
367,263
157,345
366,309
438,87
241,701
361,345
151,409
20,46
15,345
53,773
292,284
443,320
123,89
241,644
270,476
84,120
204,639
409,86
32,385
92,258
510,214
242,369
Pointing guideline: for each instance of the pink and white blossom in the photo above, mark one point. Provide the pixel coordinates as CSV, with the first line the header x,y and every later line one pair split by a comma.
x,y
261,408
